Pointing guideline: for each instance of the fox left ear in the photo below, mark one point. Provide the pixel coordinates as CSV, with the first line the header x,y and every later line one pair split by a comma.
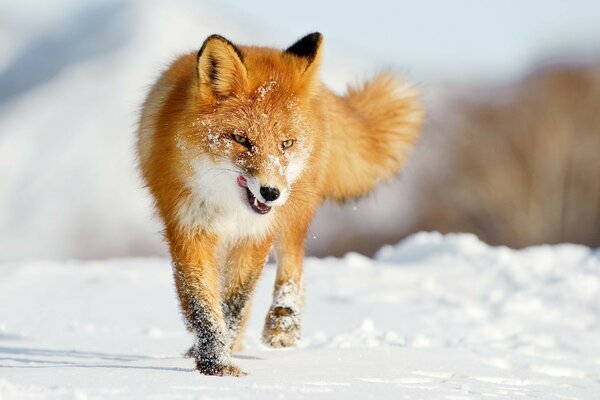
x,y
308,51
221,69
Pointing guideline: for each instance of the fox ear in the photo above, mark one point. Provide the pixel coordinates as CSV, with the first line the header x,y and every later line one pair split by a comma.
x,y
308,49
221,68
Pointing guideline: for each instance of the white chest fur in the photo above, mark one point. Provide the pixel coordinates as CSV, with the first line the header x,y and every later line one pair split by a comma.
x,y
218,205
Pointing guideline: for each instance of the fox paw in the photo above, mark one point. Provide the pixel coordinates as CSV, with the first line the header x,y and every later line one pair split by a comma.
x,y
191,353
282,327
219,369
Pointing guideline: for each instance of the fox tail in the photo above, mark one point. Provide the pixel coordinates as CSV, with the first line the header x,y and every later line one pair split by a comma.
x,y
375,127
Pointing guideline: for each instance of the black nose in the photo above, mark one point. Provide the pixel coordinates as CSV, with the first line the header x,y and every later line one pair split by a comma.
x,y
269,193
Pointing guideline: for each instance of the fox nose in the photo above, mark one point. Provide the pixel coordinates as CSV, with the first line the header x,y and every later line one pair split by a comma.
x,y
269,193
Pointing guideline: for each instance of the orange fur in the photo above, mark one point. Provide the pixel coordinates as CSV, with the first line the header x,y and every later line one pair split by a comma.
x,y
228,113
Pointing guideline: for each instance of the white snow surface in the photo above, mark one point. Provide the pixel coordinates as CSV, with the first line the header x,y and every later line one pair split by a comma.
x,y
434,317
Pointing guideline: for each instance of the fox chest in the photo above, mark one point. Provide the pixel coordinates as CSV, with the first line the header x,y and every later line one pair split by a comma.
x,y
216,204
229,224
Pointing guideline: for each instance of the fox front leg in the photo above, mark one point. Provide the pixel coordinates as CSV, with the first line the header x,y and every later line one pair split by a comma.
x,y
243,268
283,322
197,282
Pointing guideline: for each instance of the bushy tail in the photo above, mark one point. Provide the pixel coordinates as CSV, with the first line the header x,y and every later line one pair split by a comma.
x,y
375,126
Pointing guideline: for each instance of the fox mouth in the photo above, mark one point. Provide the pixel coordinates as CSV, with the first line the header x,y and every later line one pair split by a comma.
x,y
255,205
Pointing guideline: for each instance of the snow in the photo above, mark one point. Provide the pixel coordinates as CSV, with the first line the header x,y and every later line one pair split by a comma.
x,y
434,317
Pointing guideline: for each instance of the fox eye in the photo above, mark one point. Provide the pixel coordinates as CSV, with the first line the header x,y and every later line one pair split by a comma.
x,y
286,144
241,140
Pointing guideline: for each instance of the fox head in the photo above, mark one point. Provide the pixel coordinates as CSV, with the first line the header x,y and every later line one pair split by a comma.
x,y
250,116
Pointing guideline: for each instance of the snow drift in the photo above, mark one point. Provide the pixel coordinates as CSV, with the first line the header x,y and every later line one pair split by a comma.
x,y
434,317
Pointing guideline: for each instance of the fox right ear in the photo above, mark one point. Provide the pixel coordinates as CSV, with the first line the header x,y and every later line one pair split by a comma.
x,y
308,49
221,69
305,55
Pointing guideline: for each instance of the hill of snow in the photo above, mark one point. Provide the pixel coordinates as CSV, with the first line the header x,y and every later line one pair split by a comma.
x,y
73,75
434,317
71,85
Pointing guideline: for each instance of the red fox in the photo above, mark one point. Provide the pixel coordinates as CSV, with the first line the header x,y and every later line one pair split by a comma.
x,y
239,146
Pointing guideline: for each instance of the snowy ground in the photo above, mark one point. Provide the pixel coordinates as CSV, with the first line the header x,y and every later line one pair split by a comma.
x,y
432,318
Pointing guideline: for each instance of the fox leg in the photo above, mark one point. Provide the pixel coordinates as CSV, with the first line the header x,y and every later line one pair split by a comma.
x,y
282,325
197,281
238,342
244,266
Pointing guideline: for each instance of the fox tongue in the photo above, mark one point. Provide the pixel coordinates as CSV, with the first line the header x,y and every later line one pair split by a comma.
x,y
242,182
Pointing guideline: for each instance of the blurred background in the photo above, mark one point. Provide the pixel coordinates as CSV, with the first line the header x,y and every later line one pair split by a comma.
x,y
511,149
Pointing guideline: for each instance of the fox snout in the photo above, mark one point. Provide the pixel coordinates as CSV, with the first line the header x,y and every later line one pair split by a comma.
x,y
269,193
260,197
